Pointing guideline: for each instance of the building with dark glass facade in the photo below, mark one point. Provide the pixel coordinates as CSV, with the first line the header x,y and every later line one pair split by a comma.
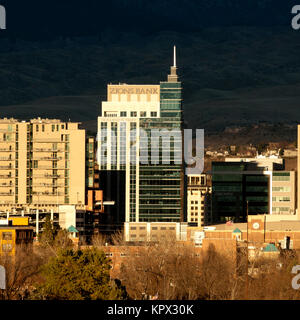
x,y
140,151
238,187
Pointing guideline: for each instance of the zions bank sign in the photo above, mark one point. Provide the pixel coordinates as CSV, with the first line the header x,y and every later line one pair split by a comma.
x,y
2,18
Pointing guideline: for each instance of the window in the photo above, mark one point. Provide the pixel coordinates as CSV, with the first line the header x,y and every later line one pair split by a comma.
x,y
7,236
143,114
37,127
153,114
281,189
7,247
123,114
280,209
281,199
133,113
281,176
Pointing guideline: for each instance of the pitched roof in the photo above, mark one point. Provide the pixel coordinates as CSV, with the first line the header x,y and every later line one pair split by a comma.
x,y
72,229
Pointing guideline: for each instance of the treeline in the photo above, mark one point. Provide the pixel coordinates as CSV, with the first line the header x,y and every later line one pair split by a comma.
x,y
166,270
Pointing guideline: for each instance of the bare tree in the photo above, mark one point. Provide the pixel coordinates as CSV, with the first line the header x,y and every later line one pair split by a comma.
x,y
22,271
99,240
164,268
118,239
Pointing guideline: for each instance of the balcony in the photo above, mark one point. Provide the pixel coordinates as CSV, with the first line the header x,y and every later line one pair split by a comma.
x,y
47,141
6,168
6,176
48,194
6,150
46,150
6,184
48,185
49,176
47,168
47,158
6,159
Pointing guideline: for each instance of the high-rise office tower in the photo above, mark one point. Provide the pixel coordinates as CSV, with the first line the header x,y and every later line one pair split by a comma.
x,y
141,169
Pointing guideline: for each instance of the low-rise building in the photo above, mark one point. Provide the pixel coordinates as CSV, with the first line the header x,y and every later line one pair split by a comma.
x,y
13,232
154,231
260,231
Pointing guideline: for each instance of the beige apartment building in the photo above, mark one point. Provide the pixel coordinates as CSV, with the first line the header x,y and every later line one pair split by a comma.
x,y
42,164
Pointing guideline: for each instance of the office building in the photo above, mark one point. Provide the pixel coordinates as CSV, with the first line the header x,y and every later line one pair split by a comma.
x,y
272,163
14,232
284,192
198,200
144,187
154,231
247,187
260,231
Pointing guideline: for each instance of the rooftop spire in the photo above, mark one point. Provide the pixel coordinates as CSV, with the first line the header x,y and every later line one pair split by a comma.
x,y
174,57
173,76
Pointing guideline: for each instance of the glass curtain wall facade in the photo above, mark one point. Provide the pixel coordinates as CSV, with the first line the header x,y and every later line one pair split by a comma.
x,y
161,184
152,184
236,186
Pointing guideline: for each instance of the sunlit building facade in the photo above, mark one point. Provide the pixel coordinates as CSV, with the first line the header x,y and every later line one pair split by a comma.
x,y
146,188
198,200
42,164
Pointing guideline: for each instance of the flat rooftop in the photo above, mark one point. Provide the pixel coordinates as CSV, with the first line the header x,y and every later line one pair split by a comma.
x,y
283,225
